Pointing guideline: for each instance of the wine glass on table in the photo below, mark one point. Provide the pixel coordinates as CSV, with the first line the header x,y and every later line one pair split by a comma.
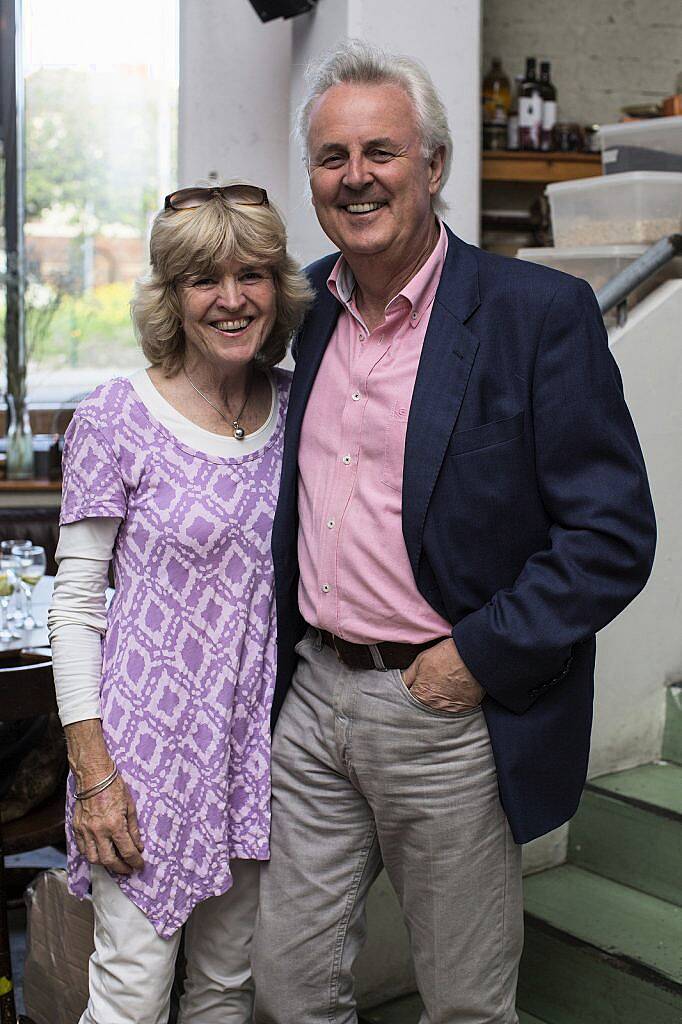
x,y
17,614
33,564
9,581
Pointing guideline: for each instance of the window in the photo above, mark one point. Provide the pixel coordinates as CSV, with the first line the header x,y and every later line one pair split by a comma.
x,y
101,88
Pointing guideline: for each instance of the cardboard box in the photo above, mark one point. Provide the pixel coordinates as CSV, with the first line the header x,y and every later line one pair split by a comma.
x,y
59,942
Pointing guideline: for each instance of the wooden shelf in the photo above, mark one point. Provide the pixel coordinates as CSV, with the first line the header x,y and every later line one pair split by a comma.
x,y
542,168
30,485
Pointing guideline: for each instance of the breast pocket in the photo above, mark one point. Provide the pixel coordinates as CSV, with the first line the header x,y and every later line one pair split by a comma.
x,y
394,446
488,434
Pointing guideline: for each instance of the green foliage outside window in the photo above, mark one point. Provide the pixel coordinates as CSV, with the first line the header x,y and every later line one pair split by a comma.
x,y
91,146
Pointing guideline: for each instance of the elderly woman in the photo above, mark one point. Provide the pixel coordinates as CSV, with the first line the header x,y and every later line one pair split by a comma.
x,y
172,474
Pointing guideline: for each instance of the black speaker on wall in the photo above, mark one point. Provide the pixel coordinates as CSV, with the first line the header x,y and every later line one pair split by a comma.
x,y
268,10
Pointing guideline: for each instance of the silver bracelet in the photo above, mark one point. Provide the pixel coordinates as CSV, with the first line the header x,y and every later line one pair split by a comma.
x,y
99,787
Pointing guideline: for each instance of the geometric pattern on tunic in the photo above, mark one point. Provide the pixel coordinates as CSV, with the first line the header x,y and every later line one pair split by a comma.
x,y
189,655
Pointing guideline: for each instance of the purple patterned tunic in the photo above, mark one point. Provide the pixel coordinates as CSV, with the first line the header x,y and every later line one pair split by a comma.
x,y
189,654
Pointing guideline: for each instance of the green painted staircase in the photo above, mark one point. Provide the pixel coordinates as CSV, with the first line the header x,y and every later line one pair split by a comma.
x,y
603,940
408,1009
604,931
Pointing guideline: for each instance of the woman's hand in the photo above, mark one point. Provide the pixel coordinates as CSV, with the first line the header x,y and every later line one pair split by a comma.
x,y
106,829
105,826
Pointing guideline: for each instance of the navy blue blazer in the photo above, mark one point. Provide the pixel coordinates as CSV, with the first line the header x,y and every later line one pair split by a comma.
x,y
527,515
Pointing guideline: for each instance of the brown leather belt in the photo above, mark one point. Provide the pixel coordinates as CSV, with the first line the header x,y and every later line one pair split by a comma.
x,y
380,656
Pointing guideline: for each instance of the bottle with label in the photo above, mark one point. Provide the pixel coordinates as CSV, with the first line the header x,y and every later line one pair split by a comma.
x,y
513,119
549,106
496,98
530,109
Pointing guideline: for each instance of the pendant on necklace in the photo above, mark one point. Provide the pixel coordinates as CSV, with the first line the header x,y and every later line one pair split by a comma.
x,y
238,431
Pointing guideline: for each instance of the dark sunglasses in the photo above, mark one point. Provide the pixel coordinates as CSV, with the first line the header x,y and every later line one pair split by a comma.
x,y
240,193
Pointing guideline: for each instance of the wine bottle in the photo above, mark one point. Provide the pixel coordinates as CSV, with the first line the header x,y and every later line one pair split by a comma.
x,y
530,109
496,98
513,119
549,106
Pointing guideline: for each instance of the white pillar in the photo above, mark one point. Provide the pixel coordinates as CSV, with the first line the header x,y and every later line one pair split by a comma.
x,y
445,36
234,95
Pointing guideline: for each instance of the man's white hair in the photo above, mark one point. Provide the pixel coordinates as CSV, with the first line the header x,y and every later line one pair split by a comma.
x,y
357,63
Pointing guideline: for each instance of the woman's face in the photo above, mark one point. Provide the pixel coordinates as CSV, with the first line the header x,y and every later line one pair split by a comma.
x,y
228,316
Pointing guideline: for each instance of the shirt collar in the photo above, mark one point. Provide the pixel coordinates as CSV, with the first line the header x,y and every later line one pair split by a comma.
x,y
418,292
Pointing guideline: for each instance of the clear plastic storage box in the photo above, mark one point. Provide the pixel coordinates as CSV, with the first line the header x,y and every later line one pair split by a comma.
x,y
595,264
598,264
652,145
635,208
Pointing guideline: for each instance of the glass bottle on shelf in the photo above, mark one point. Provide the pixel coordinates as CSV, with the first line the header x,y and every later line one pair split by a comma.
x,y
549,106
19,464
496,99
513,119
530,109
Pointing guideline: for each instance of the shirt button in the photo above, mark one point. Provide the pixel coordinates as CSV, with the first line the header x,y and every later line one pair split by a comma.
x,y
325,588
356,396
361,337
331,524
346,460
414,315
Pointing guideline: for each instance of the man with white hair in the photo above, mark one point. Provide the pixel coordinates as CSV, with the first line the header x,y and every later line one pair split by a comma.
x,y
463,505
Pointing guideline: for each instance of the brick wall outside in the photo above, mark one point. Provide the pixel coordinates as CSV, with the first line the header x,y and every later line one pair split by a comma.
x,y
51,258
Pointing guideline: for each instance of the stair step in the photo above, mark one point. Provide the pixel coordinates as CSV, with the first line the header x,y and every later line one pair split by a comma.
x,y
628,828
599,952
672,734
408,1009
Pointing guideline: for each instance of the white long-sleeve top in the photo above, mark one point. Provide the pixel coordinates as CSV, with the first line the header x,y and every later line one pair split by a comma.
x,y
77,616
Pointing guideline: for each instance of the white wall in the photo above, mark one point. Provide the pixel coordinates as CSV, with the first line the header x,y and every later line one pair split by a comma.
x,y
234,95
445,36
641,651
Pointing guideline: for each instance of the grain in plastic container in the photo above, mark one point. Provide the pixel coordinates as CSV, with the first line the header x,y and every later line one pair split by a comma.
x,y
634,208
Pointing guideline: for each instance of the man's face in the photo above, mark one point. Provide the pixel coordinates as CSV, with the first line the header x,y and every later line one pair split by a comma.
x,y
371,185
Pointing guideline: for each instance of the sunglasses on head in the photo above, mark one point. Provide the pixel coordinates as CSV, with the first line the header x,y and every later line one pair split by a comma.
x,y
240,193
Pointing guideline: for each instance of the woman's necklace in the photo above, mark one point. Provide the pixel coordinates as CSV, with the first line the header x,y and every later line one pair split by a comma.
x,y
237,430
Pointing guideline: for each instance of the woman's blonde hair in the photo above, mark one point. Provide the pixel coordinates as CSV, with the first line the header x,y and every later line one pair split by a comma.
x,y
195,242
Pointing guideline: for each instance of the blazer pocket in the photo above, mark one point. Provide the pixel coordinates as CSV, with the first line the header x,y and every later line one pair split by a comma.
x,y
486,435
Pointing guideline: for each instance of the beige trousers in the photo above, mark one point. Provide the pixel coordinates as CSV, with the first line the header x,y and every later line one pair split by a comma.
x,y
132,967
364,774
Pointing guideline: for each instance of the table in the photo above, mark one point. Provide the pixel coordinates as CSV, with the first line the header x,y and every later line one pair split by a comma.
x,y
31,638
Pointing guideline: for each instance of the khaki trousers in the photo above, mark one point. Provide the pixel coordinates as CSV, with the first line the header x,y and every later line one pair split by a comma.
x,y
131,970
365,775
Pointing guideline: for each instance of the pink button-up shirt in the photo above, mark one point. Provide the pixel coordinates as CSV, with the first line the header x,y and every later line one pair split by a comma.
x,y
356,578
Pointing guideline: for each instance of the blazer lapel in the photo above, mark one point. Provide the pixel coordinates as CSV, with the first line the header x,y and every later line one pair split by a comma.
x,y
313,341
446,361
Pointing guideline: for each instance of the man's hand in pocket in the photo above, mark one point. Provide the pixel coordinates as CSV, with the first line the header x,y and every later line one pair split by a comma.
x,y
439,678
